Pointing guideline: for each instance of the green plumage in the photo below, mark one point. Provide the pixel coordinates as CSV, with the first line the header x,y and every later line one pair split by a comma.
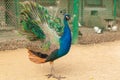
x,y
38,25
33,15
45,32
32,27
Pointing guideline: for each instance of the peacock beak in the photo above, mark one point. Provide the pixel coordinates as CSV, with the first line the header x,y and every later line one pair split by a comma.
x,y
67,17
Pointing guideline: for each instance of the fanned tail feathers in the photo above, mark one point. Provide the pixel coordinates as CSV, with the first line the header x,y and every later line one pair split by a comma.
x,y
34,57
37,22
40,27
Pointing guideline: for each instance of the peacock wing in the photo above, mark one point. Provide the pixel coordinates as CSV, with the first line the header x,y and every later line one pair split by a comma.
x,y
36,25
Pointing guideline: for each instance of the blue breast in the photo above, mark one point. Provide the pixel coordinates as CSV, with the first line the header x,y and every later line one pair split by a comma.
x,y
65,41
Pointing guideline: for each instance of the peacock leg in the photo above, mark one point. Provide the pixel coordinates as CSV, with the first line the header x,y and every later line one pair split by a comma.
x,y
52,74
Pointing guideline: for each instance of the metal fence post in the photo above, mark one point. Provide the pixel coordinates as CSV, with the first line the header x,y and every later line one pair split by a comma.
x,y
17,11
115,9
75,20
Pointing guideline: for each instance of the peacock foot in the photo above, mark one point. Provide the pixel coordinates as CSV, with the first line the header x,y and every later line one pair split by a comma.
x,y
59,77
56,77
50,75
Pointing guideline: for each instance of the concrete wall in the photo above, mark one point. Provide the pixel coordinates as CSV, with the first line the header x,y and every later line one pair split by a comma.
x,y
118,8
106,11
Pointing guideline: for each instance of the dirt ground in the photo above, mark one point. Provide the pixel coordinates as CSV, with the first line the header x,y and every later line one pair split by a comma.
x,y
90,37
10,39
84,62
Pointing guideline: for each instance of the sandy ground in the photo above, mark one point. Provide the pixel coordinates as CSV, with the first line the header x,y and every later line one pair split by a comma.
x,y
84,62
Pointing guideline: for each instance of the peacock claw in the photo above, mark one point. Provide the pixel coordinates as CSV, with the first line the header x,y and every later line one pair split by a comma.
x,y
56,77
59,77
49,75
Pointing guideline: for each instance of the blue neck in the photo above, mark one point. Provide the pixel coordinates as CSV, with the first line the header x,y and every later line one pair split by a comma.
x,y
65,23
65,40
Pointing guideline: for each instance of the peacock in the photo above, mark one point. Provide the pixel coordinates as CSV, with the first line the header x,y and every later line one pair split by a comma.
x,y
48,38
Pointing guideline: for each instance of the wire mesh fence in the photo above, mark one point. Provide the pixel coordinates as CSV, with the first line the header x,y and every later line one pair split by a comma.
x,y
91,16
2,13
10,11
8,16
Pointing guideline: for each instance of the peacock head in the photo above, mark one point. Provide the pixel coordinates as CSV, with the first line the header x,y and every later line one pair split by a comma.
x,y
67,17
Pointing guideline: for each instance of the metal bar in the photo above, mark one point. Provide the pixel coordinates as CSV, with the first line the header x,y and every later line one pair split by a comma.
x,y
17,11
75,20
81,12
115,12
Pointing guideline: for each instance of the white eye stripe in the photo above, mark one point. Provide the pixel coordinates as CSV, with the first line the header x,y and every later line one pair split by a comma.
x,y
67,17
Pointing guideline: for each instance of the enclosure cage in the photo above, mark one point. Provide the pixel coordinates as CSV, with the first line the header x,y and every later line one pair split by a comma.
x,y
10,10
86,12
90,12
